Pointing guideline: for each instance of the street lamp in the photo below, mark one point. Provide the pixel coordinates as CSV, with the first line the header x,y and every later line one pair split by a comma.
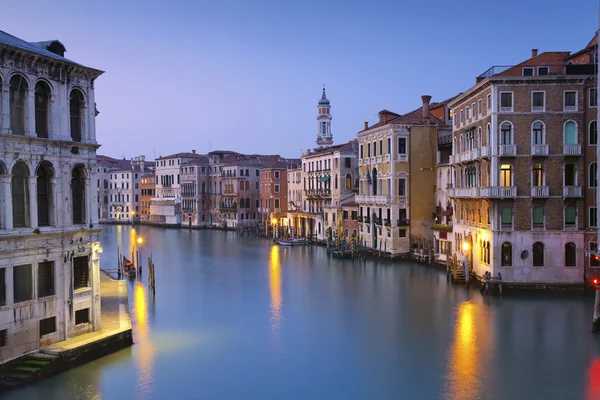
x,y
132,217
140,241
274,222
465,246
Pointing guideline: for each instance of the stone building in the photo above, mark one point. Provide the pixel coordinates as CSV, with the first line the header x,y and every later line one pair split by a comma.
x,y
274,198
49,248
194,192
520,167
147,193
397,160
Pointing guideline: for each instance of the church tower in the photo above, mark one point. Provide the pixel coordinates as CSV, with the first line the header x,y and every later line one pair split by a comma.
x,y
324,136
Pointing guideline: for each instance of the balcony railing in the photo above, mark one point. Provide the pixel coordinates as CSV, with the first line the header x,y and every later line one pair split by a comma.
x,y
402,157
540,191
571,191
379,158
485,151
571,149
498,192
570,108
387,222
403,222
539,149
277,211
507,149
538,108
386,158
373,199
359,219
360,162
465,192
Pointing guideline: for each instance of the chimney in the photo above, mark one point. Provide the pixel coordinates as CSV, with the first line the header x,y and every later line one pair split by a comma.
x,y
142,163
534,53
426,99
366,125
193,151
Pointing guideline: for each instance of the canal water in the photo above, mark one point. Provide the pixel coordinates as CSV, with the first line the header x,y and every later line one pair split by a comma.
x,y
239,318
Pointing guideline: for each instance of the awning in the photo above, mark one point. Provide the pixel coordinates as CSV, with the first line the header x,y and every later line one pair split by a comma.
x,y
447,212
324,179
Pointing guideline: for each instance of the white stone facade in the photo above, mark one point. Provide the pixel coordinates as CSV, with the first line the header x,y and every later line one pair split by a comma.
x,y
49,248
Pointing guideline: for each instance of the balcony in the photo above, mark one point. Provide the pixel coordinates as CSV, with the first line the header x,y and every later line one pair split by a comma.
x,y
373,160
387,158
373,199
318,193
485,151
377,221
507,150
387,222
228,208
571,149
277,210
465,192
403,222
360,162
367,220
359,219
402,157
498,192
367,161
540,191
571,191
539,149
379,159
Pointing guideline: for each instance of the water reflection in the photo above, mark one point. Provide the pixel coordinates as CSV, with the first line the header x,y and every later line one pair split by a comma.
x,y
145,348
275,288
593,378
464,369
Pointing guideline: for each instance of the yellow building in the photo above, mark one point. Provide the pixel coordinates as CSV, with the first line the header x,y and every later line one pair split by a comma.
x,y
397,160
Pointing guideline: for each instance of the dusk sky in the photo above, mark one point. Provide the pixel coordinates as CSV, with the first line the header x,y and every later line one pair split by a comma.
x,y
247,75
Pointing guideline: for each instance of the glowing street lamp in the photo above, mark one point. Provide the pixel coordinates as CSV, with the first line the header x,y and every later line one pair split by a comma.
x,y
465,246
139,242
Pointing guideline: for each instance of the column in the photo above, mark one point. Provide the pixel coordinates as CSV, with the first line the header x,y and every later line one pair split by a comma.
x,y
5,128
33,211
30,114
91,114
7,211
53,121
55,210
88,199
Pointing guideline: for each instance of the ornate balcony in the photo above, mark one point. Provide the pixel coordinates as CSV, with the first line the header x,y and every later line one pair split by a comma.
x,y
540,191
402,157
403,222
498,192
387,158
465,192
373,199
571,149
539,149
571,191
507,150
485,151
379,159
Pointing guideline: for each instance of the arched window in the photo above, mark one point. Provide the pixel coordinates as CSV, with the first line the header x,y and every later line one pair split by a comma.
x,y
479,138
488,252
75,107
506,133
593,180
538,254
454,148
20,195
44,193
203,188
78,195
570,174
247,185
570,254
18,88
348,181
335,181
538,217
374,179
42,96
537,133
247,202
570,135
506,254
593,133
537,175
488,134
570,216
462,144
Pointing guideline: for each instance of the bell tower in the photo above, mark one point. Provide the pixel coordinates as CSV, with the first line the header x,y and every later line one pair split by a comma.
x,y
324,136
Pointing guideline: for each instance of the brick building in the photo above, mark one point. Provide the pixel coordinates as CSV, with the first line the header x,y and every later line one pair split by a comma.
x,y
147,193
519,167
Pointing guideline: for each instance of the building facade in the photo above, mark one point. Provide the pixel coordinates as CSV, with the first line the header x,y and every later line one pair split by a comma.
x,y
519,139
147,193
49,248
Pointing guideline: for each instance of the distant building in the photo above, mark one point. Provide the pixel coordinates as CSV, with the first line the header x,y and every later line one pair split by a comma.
x,y
273,205
194,192
147,193
49,233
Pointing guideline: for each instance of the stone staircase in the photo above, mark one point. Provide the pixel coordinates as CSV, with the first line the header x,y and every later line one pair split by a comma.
x,y
26,369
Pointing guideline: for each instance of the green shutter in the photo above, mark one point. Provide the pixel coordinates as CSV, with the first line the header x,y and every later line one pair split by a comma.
x,y
570,215
506,215
570,133
538,215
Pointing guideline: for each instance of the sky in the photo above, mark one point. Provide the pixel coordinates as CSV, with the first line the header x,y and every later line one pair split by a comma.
x,y
247,75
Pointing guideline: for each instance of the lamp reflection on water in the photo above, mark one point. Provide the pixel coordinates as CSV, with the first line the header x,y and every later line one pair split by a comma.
x,y
464,367
275,288
143,345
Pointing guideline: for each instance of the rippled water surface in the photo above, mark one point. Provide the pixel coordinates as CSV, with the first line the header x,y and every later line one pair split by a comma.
x,y
238,318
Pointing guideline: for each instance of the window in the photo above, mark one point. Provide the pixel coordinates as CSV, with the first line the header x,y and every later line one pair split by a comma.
x,y
3,337
593,217
368,149
380,148
348,160
44,193
538,101
543,71
479,108
3,287
528,71
506,133
570,177
18,92
20,195
506,101
537,175
276,188
80,272
506,254
46,279
401,187
570,216
78,195
276,203
402,233
461,116
488,102
22,283
82,316
538,254
538,217
75,106
401,145
361,151
506,175
47,326
467,113
593,134
593,175
570,135
42,94
276,174
570,100
348,181
593,97
537,133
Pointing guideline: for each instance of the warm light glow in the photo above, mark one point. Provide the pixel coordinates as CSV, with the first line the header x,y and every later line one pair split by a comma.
x,y
132,212
595,281
275,288
140,240
465,246
274,221
145,355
